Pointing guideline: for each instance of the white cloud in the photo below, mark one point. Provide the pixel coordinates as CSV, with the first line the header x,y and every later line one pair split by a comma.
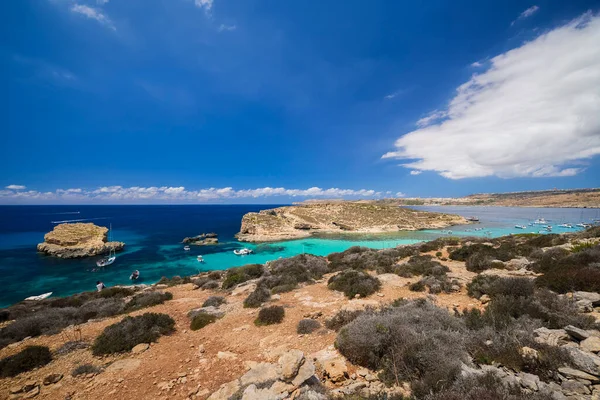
x,y
533,113
15,187
227,28
94,14
414,172
154,194
477,64
205,4
102,2
527,13
400,194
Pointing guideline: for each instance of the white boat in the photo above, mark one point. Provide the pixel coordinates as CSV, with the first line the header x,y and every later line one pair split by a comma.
x,y
540,221
549,228
135,275
200,259
520,227
39,297
103,262
186,248
473,219
566,226
242,252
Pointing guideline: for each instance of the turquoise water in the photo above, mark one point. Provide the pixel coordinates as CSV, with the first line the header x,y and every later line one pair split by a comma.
x,y
153,236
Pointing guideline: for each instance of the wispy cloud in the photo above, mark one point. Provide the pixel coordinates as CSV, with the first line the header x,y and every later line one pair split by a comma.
x,y
526,14
477,64
395,94
227,28
47,72
204,4
415,172
532,113
15,187
154,194
95,14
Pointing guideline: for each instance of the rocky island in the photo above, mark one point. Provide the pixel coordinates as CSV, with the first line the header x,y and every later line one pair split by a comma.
x,y
304,220
204,239
78,240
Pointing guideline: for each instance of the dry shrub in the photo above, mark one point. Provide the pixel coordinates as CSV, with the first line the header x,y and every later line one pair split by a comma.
x,y
214,301
306,326
27,359
270,315
352,282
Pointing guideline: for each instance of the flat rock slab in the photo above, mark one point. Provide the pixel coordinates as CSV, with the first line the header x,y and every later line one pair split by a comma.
x,y
128,364
591,344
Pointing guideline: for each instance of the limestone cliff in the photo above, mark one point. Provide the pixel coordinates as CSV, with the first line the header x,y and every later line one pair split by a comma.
x,y
77,240
303,220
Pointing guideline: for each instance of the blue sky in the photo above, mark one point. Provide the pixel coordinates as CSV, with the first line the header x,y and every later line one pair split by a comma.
x,y
117,101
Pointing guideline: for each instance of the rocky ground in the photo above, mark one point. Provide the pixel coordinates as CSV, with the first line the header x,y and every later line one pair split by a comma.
x,y
78,240
234,357
338,217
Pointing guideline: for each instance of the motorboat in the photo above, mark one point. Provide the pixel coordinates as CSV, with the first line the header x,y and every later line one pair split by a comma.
x,y
566,226
582,225
520,227
473,219
105,261
242,252
540,221
39,297
549,228
200,259
186,248
135,275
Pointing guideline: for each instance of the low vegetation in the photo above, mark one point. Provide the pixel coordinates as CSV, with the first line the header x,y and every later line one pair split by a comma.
x,y
364,258
174,281
306,326
85,369
50,316
131,331
27,359
201,319
270,315
259,296
214,301
352,283
235,276
341,319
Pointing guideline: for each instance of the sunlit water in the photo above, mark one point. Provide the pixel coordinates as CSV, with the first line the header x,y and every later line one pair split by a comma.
x,y
153,236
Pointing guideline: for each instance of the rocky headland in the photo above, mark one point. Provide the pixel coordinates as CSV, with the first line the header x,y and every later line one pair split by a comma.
x,y
303,220
78,240
204,239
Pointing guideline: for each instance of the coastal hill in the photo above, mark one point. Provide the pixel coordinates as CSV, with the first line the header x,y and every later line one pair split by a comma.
x,y
303,220
571,198
514,317
78,240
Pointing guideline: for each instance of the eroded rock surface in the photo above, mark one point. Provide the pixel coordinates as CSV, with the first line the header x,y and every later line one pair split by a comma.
x,y
78,240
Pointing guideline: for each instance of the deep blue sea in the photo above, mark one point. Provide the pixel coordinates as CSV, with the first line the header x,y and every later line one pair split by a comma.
x,y
153,237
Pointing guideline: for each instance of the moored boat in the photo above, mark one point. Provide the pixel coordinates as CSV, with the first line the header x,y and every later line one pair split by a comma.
x,y
186,248
242,252
103,262
39,297
200,259
520,227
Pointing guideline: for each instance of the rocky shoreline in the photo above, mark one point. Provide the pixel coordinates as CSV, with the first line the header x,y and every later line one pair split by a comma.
x,y
204,239
78,240
305,220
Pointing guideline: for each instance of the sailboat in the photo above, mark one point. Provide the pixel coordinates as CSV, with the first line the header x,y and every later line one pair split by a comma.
x,y
105,261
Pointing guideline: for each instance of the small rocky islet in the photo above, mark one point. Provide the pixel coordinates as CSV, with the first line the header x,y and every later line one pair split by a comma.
x,y
77,240
204,239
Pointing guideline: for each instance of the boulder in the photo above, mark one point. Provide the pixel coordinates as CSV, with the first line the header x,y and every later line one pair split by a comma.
x,y
591,344
253,393
577,333
226,390
517,263
52,379
127,364
529,381
226,355
335,369
592,297
574,388
140,348
289,364
212,310
577,374
305,372
551,337
584,361
262,372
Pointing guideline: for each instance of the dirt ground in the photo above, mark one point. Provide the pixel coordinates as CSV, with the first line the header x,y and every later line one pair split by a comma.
x,y
190,361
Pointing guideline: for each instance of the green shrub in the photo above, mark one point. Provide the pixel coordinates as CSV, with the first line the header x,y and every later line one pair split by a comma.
x,y
479,262
364,258
577,247
480,285
352,282
306,326
255,299
27,359
270,315
71,346
201,319
438,244
85,369
435,284
215,275
415,342
418,286
301,268
342,318
147,299
131,331
421,265
214,301
235,276
283,288
114,292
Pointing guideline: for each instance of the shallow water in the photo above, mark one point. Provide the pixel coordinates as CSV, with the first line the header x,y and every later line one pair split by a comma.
x,y
153,235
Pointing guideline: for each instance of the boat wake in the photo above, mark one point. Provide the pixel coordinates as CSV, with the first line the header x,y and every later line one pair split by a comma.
x,y
62,213
77,220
